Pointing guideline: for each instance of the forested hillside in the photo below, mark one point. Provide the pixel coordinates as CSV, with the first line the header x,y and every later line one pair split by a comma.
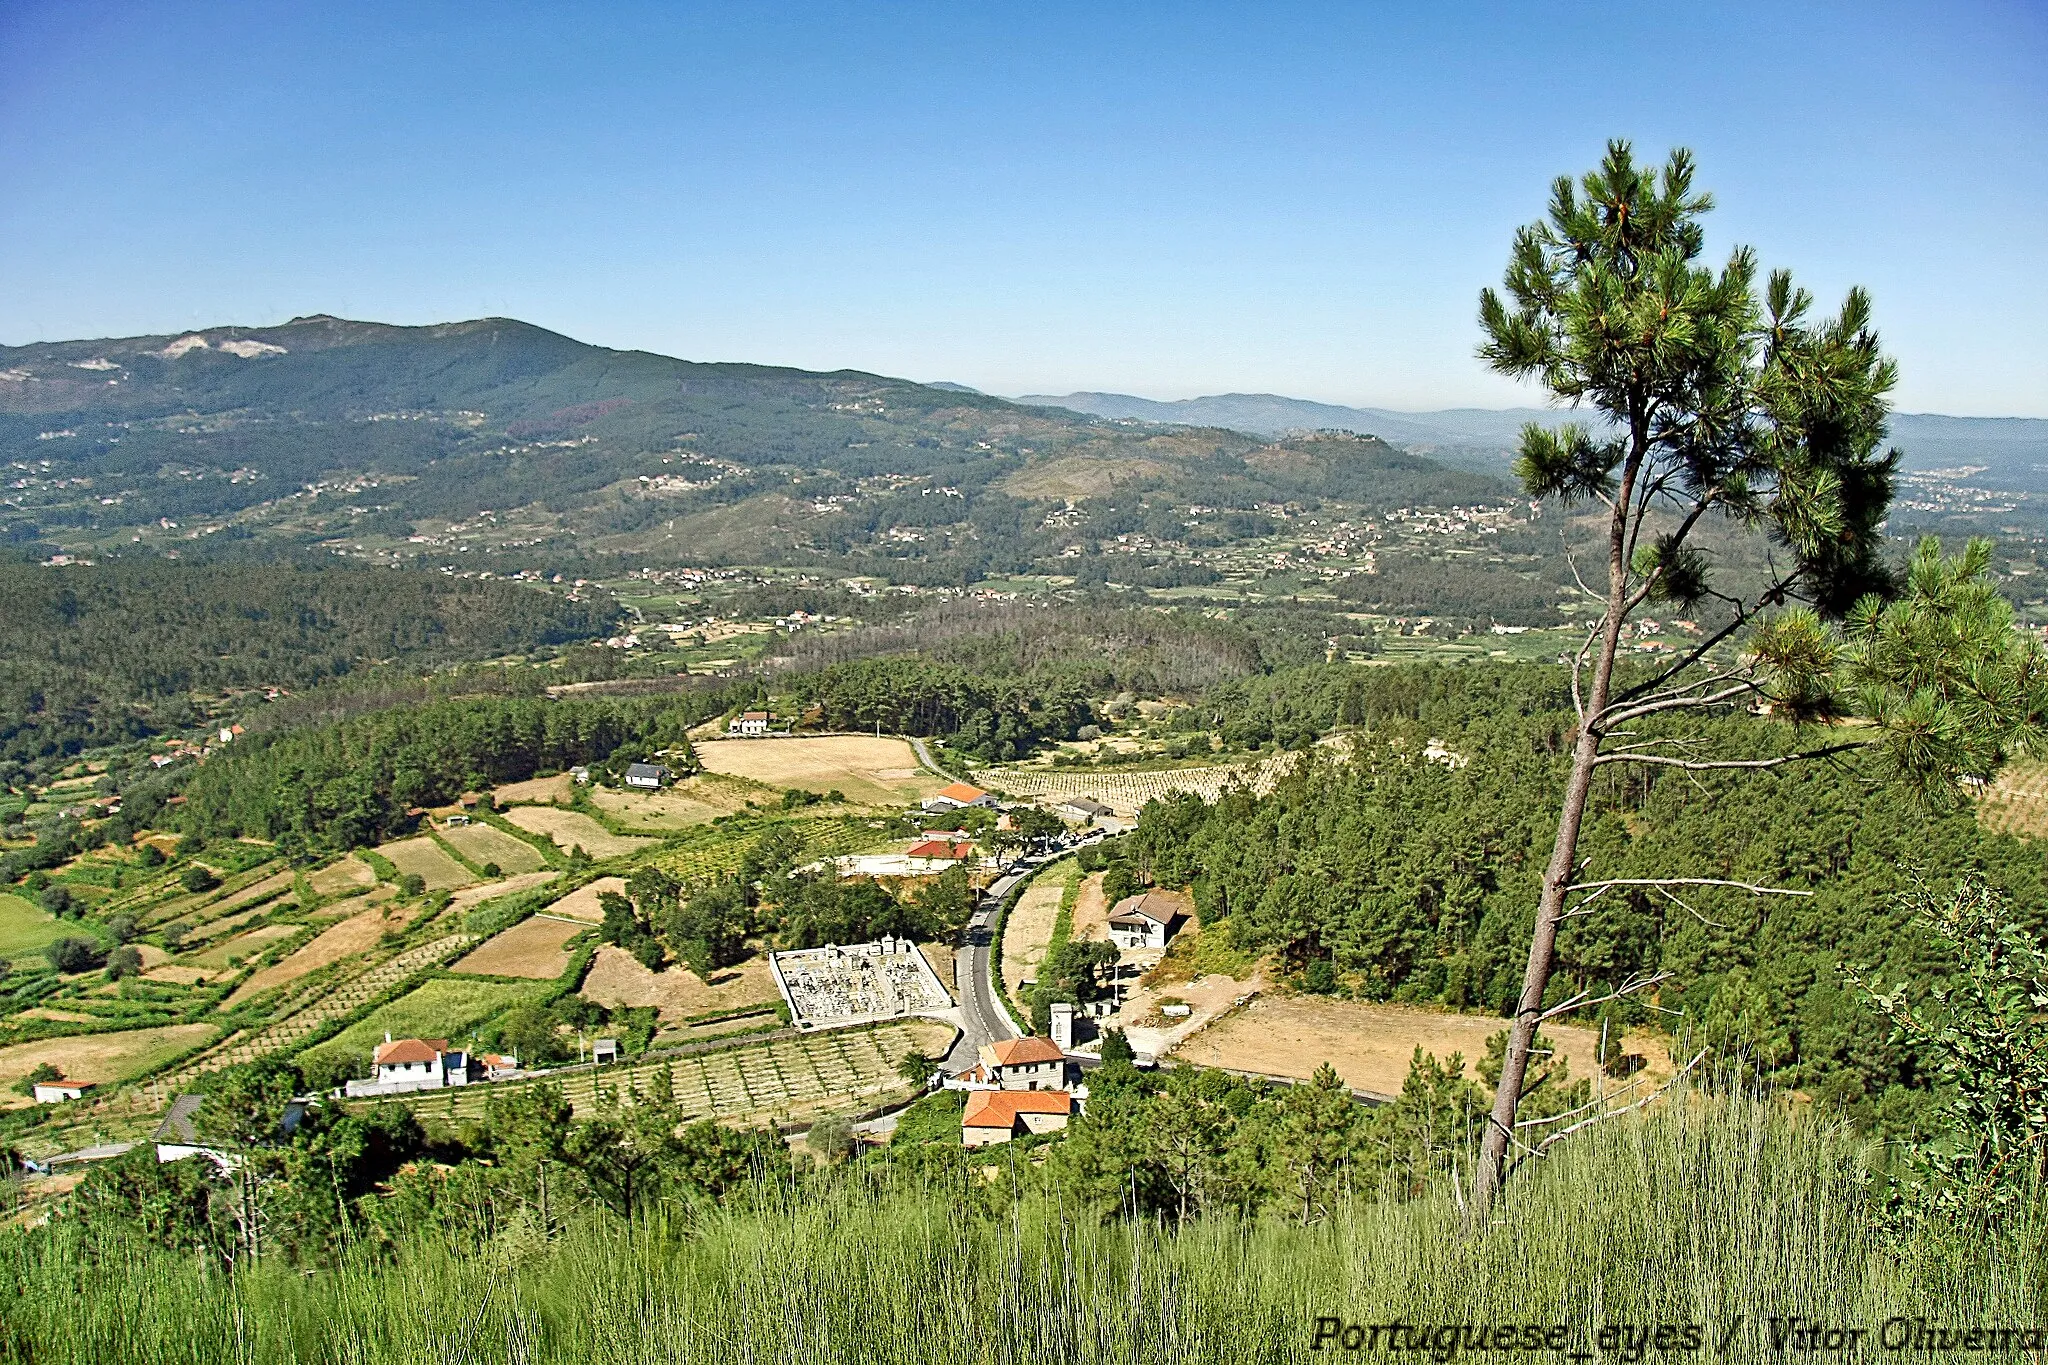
x,y
100,654
362,437
1412,878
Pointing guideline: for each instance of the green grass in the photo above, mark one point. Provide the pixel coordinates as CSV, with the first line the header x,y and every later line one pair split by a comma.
x,y
26,927
444,1007
1708,1213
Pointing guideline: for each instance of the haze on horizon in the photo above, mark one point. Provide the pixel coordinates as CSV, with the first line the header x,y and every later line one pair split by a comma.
x,y
1303,202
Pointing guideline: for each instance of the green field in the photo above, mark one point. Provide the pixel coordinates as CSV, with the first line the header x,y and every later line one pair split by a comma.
x,y
442,1008
25,927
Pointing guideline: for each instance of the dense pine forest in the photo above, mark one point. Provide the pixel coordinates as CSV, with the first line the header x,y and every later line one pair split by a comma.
x,y
103,654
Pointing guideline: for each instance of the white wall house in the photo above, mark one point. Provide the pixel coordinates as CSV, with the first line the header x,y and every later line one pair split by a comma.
x,y
409,1064
1147,920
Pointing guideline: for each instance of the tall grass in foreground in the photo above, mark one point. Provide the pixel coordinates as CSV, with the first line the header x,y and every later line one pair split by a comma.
x,y
1707,1209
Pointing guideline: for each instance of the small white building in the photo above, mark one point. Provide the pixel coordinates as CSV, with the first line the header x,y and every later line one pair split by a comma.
x,y
647,776
1025,1064
750,724
409,1064
958,796
1147,920
56,1092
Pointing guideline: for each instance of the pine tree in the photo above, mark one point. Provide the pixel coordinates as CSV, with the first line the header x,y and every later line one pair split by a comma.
x,y
1717,400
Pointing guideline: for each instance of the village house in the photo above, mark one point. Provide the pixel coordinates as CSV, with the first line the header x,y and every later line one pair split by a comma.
x,y
1025,1064
1085,809
1147,920
750,724
993,1116
941,850
958,796
648,776
409,1064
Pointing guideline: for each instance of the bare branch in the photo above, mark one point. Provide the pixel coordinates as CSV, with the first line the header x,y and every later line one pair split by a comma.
x,y
1658,882
1752,764
1744,614
1626,988
1678,701
1605,1114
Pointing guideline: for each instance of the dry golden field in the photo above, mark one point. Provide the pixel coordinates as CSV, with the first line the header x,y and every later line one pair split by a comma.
x,y
356,934
483,845
470,897
572,829
616,979
865,769
97,1058
2017,802
693,801
424,858
582,902
531,948
559,788
349,874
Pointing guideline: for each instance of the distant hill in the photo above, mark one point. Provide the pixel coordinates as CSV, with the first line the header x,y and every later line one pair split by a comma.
x,y
352,434
2013,449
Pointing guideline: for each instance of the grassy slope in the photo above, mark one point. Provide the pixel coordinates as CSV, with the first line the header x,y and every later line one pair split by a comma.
x,y
1697,1215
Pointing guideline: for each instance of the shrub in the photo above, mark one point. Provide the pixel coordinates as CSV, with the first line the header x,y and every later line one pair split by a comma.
x,y
124,961
150,856
73,955
492,870
198,877
55,898
412,884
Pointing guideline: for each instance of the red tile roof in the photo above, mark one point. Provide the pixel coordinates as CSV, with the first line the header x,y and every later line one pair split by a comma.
x,y
1024,1051
410,1050
999,1108
963,793
939,848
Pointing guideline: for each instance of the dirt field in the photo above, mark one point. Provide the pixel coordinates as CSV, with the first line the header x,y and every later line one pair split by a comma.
x,y
481,844
530,948
1370,1045
582,902
543,789
470,897
1028,930
693,801
244,945
1091,910
867,770
424,857
616,979
356,934
98,1058
350,874
570,828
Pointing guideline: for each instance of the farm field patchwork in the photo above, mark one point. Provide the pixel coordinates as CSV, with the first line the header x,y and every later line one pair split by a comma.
x,y
356,934
785,1078
582,902
1370,1045
483,845
1127,792
347,874
244,945
423,858
443,1007
98,1058
25,927
571,829
470,897
865,769
531,948
693,801
617,979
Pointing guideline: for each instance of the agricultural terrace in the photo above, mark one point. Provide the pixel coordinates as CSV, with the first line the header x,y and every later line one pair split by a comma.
x,y
25,927
483,845
616,980
423,858
865,769
582,903
782,1079
341,877
356,935
691,802
1371,1045
98,1058
573,829
470,897
1127,792
534,948
441,1007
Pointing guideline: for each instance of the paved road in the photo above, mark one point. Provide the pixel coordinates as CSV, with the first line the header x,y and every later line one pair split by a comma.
x,y
924,756
982,1017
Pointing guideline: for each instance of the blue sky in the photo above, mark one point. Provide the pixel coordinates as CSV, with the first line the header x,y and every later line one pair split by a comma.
x,y
1160,199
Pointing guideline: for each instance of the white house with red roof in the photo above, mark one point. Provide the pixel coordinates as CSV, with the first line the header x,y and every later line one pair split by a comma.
x,y
999,1115
408,1064
958,796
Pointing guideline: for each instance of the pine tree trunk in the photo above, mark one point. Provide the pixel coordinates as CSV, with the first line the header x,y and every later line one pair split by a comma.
x,y
1557,877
